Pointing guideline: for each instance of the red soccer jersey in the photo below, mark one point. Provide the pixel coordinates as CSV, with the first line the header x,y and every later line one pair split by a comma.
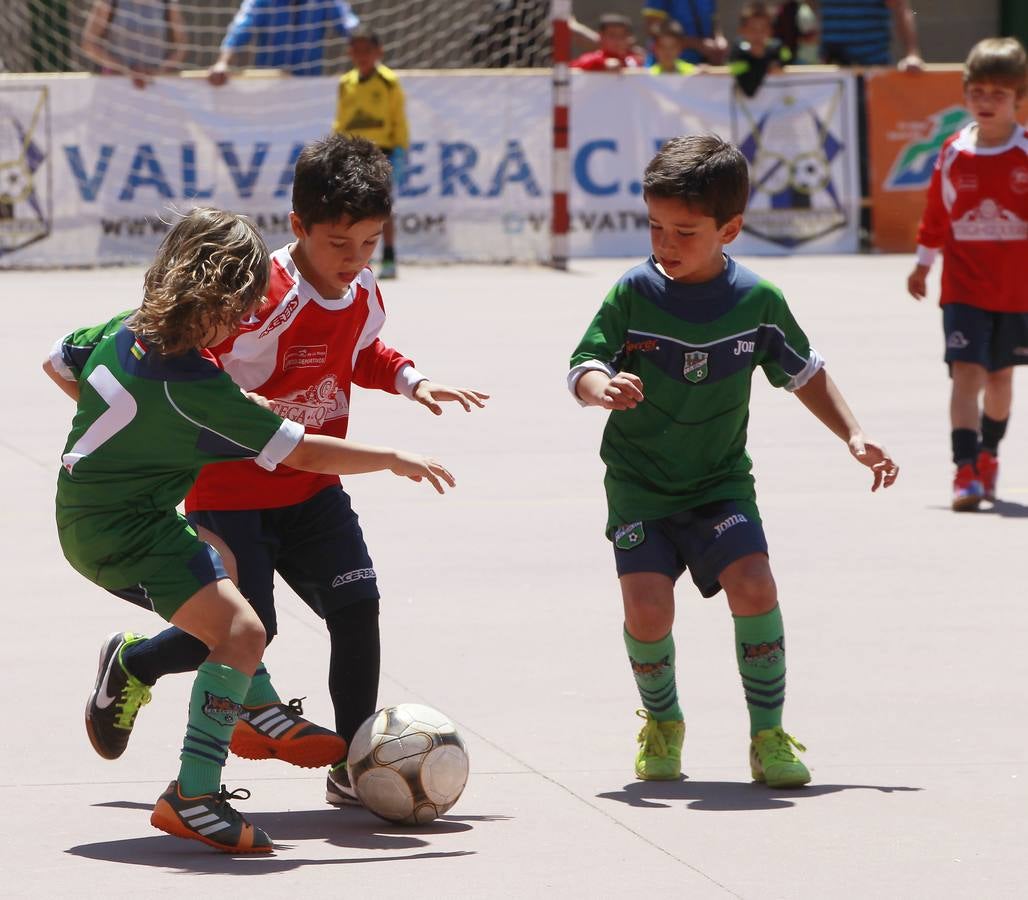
x,y
596,61
977,214
302,352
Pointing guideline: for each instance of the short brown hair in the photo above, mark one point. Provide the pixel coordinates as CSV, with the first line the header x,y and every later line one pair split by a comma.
x,y
703,171
755,10
998,60
211,268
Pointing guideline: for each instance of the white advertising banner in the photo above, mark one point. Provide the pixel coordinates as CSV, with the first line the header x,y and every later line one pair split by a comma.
x,y
92,169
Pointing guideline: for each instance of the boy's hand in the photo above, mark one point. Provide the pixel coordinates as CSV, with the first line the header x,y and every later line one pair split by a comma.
x,y
876,458
623,391
259,399
415,467
430,393
916,282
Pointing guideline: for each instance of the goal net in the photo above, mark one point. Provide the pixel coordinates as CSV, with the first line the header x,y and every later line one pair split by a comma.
x,y
47,35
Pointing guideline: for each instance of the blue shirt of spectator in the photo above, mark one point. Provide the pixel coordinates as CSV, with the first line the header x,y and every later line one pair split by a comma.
x,y
856,32
695,16
289,34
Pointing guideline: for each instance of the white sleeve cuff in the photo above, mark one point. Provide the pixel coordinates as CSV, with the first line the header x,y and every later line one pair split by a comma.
x,y
282,443
594,365
926,255
815,363
407,379
57,361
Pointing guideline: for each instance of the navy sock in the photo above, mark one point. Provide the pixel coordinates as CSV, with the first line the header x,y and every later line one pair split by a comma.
x,y
170,651
965,445
353,667
992,433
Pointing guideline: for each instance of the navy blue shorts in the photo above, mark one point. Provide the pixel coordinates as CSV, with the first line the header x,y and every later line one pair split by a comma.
x,y
994,340
316,546
705,540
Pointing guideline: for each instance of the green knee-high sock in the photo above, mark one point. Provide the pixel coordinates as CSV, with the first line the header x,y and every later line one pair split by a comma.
x,y
653,664
214,706
261,691
760,649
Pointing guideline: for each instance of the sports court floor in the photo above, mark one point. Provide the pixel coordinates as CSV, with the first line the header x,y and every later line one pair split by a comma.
x,y
906,626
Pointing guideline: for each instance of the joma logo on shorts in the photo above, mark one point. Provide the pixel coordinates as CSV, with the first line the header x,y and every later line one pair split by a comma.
x,y
355,575
742,347
722,527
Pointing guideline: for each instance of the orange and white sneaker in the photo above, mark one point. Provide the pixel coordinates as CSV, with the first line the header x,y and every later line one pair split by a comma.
x,y
211,819
988,472
279,731
967,489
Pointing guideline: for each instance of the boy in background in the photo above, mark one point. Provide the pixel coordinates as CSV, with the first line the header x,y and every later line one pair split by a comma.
x,y
977,216
667,49
670,355
616,50
371,105
756,51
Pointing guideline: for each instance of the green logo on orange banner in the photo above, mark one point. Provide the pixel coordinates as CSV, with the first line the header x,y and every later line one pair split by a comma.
x,y
913,167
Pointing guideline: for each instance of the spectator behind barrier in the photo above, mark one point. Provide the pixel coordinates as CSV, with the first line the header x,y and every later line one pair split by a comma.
x,y
667,48
287,35
858,33
616,47
138,38
756,52
703,41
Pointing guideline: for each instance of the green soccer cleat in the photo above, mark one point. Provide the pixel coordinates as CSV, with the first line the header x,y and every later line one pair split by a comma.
x,y
660,749
116,698
773,762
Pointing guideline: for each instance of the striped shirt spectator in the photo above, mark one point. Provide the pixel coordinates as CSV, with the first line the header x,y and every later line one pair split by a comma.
x,y
859,32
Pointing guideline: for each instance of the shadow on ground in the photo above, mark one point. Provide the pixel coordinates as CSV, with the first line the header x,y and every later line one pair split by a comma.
x,y
1006,509
349,828
728,796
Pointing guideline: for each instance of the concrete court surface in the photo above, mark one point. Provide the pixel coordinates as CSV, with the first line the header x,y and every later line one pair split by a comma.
x,y
906,631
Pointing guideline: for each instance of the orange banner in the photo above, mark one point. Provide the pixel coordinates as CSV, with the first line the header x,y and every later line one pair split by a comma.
x,y
909,117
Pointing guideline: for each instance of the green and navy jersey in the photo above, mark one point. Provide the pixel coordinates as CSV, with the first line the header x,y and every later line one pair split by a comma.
x,y
144,427
695,347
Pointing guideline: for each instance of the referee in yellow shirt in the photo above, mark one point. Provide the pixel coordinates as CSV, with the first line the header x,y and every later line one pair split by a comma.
x,y
371,106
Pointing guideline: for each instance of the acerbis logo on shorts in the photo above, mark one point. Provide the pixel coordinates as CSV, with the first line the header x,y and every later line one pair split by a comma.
x,y
722,527
355,575
956,340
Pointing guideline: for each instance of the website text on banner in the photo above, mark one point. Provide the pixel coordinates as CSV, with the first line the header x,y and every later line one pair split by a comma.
x,y
97,170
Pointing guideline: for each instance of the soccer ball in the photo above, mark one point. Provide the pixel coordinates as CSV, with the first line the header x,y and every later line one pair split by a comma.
x,y
408,764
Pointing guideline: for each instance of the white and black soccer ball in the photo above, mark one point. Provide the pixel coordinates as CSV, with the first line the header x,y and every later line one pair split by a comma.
x,y
810,172
408,764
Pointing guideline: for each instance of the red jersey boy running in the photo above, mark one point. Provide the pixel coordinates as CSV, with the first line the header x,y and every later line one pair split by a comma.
x,y
316,335
977,216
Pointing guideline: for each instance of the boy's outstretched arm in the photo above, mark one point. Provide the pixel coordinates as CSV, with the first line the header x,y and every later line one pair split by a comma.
x,y
335,456
430,393
822,398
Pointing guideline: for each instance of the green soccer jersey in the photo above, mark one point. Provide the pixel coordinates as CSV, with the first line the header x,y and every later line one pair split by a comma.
x,y
144,427
695,347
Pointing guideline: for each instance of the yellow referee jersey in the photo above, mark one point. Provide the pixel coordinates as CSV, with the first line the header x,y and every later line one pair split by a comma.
x,y
372,108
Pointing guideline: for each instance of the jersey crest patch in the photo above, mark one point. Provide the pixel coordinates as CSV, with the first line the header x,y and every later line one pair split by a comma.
x,y
628,536
695,367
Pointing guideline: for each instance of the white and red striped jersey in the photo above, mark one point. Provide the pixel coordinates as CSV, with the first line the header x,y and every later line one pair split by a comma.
x,y
302,352
977,215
